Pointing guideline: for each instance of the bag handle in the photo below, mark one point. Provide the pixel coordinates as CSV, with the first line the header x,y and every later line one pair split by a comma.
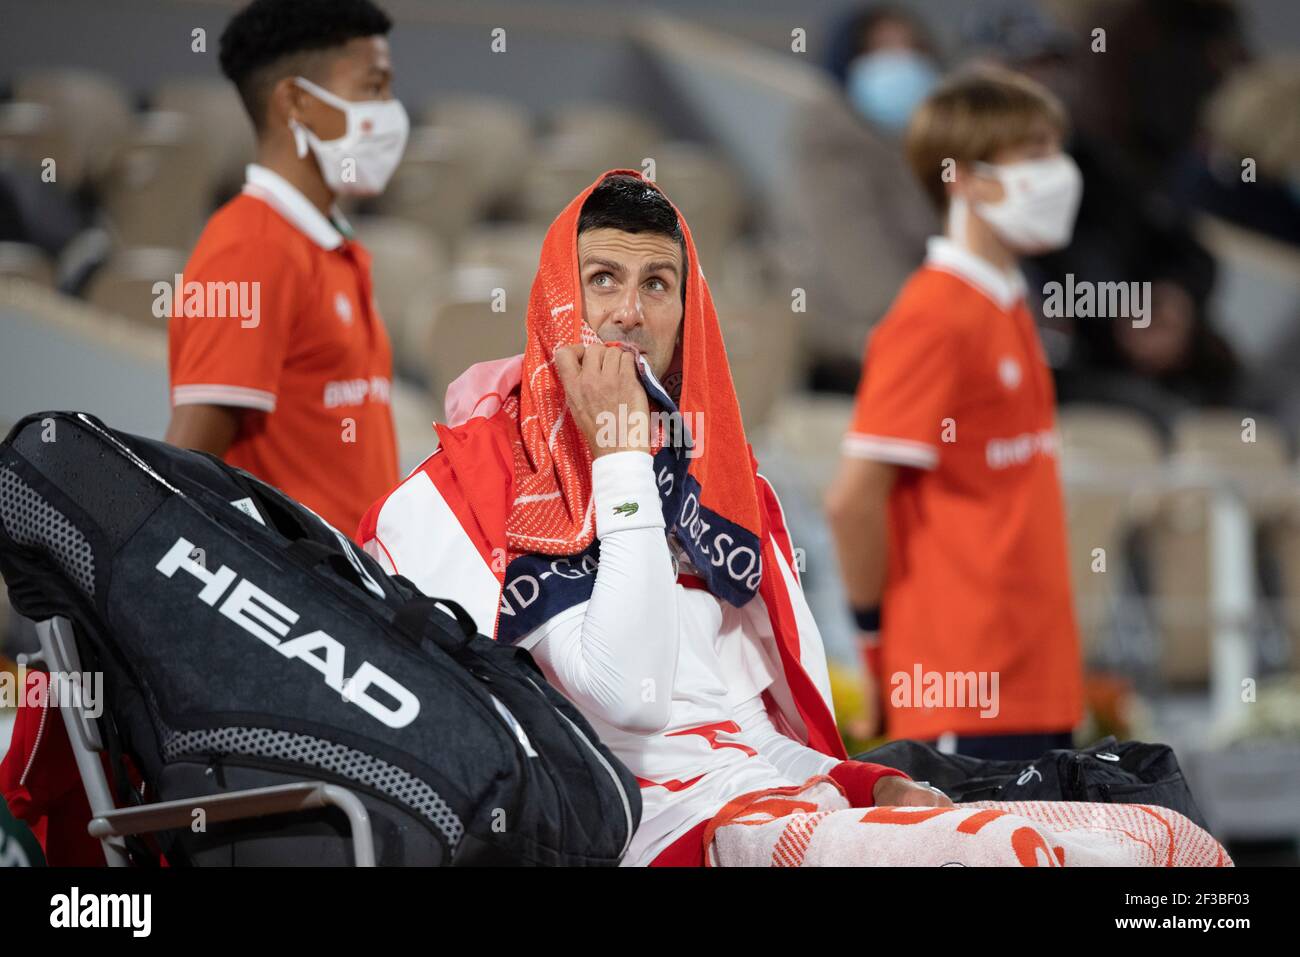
x,y
311,553
413,617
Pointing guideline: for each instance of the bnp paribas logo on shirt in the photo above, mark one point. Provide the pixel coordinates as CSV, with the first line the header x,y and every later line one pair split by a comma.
x,y
343,308
240,300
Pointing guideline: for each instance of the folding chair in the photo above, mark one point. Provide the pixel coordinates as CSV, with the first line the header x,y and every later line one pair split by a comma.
x,y
112,825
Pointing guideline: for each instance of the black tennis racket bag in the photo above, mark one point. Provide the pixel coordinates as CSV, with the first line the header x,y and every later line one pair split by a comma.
x,y
245,643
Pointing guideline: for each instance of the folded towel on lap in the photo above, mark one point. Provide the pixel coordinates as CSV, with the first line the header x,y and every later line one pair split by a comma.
x,y
814,826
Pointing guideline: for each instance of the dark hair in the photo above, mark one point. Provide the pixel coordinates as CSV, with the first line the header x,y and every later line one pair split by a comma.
x,y
262,41
634,206
847,33
630,204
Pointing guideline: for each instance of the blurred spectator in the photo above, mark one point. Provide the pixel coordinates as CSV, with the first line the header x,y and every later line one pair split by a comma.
x,y
1129,227
1254,116
1024,33
37,212
1163,59
1176,363
862,219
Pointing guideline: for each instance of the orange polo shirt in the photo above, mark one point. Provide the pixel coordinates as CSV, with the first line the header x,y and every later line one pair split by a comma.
x,y
297,337
956,387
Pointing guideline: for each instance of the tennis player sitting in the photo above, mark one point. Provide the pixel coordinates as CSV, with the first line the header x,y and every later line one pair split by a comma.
x,y
649,571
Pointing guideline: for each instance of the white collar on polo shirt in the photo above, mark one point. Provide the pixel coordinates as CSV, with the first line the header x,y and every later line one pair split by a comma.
x,y
1003,287
289,202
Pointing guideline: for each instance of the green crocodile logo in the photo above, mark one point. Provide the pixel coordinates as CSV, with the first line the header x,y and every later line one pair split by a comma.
x,y
627,508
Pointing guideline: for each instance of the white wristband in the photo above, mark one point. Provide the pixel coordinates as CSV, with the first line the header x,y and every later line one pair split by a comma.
x,y
624,493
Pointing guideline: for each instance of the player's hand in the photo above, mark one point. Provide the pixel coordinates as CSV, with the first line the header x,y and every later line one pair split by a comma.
x,y
893,791
605,396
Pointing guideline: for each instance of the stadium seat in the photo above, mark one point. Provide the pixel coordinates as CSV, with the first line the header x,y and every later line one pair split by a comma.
x,y
760,338
1209,454
705,189
467,332
563,166
616,136
486,282
414,412
125,284
160,186
409,266
89,113
1109,458
496,132
810,427
514,247
28,135
218,118
582,142
1178,550
1257,288
744,270
1284,540
1219,440
1262,472
435,185
24,261
1107,436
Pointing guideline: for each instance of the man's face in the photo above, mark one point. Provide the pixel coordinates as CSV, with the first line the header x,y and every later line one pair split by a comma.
x,y
632,290
1165,345
361,70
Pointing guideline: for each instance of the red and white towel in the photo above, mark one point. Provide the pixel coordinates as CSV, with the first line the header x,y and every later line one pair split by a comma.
x,y
812,825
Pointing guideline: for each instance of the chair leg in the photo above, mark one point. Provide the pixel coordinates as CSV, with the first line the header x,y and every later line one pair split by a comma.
x,y
60,652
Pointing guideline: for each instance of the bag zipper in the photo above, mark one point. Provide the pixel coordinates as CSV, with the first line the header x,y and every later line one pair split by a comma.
x,y
36,743
131,456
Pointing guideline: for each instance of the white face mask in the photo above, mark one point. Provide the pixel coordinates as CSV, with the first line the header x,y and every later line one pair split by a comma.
x,y
360,162
1037,213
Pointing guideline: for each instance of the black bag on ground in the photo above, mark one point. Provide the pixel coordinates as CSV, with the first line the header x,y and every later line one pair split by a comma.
x,y
1108,771
245,643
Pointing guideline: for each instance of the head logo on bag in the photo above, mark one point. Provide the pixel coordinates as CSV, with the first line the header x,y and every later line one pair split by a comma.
x,y
269,620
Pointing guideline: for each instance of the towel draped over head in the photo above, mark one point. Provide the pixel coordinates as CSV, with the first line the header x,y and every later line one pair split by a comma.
x,y
501,516
706,475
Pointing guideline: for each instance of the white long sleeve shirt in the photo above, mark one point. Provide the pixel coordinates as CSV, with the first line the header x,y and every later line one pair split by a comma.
x,y
670,676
